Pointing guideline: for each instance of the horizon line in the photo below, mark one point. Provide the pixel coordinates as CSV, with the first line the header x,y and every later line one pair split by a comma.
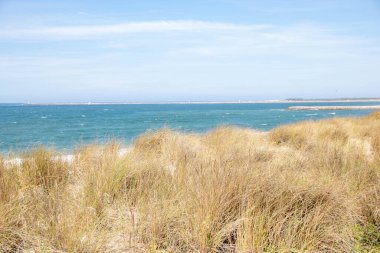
x,y
294,100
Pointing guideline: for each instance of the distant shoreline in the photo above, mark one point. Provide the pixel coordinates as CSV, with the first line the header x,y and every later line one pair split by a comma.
x,y
350,100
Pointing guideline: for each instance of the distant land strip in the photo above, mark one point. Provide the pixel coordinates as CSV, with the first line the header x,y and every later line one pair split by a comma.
x,y
289,100
354,107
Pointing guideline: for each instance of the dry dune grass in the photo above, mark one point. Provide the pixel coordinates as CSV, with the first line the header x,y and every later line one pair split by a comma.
x,y
307,187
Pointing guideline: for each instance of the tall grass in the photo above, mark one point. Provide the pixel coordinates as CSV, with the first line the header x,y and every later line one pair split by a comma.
x,y
308,187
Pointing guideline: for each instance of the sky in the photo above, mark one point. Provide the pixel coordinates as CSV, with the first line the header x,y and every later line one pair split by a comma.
x,y
198,50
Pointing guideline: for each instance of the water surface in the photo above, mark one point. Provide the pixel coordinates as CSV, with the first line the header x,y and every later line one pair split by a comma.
x,y
65,126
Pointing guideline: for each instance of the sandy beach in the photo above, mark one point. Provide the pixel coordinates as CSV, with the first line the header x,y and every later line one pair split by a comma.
x,y
69,158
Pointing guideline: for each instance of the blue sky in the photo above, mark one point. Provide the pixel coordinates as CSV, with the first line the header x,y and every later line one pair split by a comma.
x,y
155,51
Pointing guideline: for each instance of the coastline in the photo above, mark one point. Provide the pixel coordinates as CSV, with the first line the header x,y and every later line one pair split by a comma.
x,y
169,178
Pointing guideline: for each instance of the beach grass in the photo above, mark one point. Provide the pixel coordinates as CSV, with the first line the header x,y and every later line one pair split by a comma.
x,y
307,187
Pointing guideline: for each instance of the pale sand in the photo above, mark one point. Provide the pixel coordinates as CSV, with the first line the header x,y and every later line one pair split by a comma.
x,y
16,161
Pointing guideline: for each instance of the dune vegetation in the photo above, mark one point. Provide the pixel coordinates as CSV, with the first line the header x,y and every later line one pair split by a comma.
x,y
307,187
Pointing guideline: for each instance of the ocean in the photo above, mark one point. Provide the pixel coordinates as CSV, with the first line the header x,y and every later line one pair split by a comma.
x,y
65,127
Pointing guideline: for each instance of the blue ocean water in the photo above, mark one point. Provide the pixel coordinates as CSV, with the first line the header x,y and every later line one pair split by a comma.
x,y
66,126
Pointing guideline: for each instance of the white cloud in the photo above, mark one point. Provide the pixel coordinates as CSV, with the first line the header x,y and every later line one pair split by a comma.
x,y
123,28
